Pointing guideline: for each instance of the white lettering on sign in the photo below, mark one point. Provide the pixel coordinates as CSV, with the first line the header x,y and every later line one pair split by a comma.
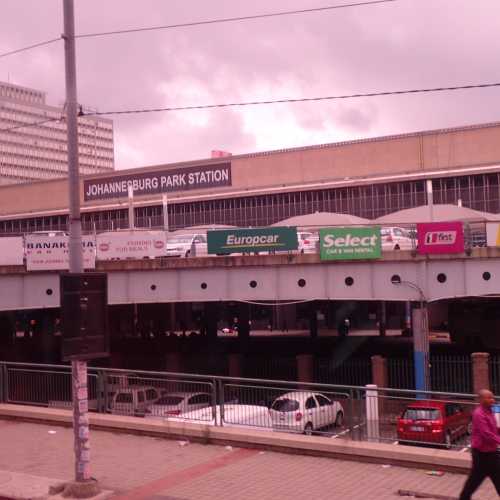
x,y
440,237
349,241
179,179
252,241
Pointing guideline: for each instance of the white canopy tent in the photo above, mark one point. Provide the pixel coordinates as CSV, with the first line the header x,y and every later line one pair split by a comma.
x,y
323,219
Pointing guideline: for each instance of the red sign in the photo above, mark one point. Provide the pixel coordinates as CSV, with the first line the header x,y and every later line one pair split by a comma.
x,y
440,237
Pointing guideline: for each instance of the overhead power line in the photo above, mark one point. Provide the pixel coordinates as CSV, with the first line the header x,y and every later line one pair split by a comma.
x,y
234,19
29,47
33,124
201,23
258,103
296,100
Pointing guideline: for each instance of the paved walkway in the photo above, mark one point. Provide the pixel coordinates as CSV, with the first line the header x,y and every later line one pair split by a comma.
x,y
137,467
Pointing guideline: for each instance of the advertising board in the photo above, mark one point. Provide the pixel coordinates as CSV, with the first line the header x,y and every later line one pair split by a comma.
x,y
131,245
46,252
440,237
266,239
493,234
350,243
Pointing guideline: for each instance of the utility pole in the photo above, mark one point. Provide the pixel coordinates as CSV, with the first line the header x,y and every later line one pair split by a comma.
x,y
78,368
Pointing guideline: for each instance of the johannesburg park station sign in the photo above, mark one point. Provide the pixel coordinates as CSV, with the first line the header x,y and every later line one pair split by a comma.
x,y
159,181
349,243
266,239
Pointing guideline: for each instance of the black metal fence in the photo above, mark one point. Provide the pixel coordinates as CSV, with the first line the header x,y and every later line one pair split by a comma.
x,y
448,373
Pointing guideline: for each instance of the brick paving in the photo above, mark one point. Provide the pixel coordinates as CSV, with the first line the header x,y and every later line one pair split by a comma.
x,y
137,467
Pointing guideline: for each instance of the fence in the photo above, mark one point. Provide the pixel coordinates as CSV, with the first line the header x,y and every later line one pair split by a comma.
x,y
448,373
334,411
349,372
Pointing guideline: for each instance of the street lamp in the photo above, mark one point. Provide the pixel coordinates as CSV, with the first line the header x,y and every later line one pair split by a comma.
x,y
420,326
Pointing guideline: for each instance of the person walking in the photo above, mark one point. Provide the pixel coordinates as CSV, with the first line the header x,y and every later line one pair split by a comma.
x,y
484,443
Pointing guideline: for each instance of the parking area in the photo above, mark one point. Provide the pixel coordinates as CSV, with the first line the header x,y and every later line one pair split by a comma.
x,y
137,467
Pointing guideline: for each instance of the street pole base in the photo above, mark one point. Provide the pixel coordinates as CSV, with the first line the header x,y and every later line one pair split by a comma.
x,y
76,489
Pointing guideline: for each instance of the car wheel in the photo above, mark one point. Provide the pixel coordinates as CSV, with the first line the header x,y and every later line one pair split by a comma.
x,y
339,419
308,429
447,441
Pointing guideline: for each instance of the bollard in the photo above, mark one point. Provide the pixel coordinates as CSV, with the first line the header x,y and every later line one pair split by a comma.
x,y
372,413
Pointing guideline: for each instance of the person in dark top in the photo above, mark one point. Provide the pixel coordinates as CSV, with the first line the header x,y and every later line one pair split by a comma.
x,y
484,443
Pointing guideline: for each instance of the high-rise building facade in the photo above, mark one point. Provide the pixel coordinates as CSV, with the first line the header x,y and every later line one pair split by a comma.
x,y
39,151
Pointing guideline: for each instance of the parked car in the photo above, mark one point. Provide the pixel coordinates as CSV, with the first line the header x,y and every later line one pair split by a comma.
x,y
305,412
433,422
185,245
134,400
396,238
235,415
175,403
308,242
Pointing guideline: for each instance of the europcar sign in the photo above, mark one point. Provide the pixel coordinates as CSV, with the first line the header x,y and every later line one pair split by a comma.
x,y
267,239
349,243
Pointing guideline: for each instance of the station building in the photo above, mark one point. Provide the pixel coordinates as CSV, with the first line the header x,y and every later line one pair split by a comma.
x,y
365,178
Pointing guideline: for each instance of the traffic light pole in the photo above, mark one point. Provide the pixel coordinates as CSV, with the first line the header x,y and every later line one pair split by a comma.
x,y
83,484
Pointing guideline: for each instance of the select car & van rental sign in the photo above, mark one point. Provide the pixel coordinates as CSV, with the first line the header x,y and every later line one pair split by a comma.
x,y
349,243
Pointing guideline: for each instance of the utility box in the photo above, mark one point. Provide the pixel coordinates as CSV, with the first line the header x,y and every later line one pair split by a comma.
x,y
84,316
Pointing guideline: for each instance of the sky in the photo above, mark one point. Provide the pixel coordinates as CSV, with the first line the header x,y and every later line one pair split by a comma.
x,y
399,45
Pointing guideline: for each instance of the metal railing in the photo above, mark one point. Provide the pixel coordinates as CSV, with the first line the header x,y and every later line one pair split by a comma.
x,y
449,373
332,411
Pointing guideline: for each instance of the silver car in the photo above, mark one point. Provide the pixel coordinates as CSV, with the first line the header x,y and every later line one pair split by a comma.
x,y
186,245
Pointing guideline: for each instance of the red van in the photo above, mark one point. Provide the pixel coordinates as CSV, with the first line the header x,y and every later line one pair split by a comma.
x,y
433,422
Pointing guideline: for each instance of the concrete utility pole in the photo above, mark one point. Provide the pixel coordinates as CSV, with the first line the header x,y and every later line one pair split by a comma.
x,y
78,368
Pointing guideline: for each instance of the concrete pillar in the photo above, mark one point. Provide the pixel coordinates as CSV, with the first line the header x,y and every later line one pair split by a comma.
x,y
382,318
210,317
313,320
235,365
480,371
380,375
305,368
174,362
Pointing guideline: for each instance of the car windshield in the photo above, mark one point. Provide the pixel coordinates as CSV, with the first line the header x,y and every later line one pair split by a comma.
x,y
180,239
170,400
421,414
285,405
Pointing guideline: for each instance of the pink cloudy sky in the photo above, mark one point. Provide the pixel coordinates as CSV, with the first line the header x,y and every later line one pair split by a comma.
x,y
399,45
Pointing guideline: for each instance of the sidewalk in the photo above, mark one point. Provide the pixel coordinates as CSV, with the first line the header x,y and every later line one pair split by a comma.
x,y
137,467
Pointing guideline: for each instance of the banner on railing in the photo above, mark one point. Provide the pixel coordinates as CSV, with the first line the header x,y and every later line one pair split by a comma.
x,y
266,239
46,252
131,245
349,243
11,251
440,237
493,234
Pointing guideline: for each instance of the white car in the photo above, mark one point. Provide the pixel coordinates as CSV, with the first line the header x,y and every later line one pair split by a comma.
x,y
308,242
134,400
396,238
186,245
305,412
235,415
175,403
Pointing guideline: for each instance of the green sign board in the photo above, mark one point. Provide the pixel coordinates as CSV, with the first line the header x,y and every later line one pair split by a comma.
x,y
348,243
267,239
